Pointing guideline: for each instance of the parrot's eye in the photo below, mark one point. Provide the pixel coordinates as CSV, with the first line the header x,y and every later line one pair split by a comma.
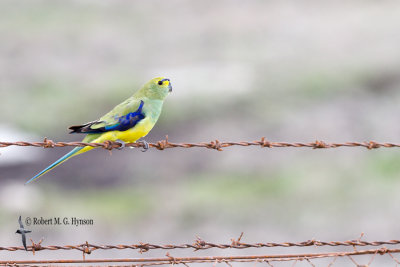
x,y
160,82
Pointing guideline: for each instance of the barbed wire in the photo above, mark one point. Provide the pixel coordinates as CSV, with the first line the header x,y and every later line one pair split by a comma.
x,y
200,244
168,259
218,145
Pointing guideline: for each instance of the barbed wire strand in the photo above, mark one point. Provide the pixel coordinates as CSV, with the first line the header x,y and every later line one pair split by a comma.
x,y
204,259
217,145
200,244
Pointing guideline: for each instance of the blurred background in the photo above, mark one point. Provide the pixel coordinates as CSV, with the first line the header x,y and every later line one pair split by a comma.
x,y
290,71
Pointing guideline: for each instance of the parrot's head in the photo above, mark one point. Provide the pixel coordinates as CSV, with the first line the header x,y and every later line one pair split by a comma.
x,y
158,88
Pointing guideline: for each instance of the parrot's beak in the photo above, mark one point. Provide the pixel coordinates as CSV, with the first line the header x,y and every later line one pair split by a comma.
x,y
169,84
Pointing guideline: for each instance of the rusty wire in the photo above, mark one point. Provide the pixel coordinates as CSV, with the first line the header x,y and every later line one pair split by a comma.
x,y
217,145
200,244
168,259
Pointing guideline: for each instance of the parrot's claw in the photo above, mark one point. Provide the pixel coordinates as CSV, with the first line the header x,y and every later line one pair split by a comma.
x,y
145,146
122,144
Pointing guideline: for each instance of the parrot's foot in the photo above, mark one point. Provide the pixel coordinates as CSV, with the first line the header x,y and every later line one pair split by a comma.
x,y
145,145
122,144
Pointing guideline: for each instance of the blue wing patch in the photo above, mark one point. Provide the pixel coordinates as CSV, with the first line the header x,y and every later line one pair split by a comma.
x,y
128,121
124,123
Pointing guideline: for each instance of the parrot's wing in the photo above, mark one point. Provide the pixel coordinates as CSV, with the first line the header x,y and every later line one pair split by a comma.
x,y
123,117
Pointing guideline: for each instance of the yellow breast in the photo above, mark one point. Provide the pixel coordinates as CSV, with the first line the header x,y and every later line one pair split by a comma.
x,y
140,130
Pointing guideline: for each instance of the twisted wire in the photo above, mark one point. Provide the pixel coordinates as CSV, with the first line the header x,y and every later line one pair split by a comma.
x,y
217,259
217,145
200,244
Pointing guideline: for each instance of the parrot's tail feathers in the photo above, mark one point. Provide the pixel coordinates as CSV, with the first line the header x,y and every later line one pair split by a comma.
x,y
55,164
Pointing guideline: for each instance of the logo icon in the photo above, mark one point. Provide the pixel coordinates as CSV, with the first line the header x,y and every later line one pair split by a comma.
x,y
22,232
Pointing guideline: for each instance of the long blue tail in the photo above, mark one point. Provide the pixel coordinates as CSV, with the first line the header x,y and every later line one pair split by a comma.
x,y
55,164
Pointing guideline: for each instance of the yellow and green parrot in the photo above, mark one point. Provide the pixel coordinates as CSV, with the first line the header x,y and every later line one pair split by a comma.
x,y
127,122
